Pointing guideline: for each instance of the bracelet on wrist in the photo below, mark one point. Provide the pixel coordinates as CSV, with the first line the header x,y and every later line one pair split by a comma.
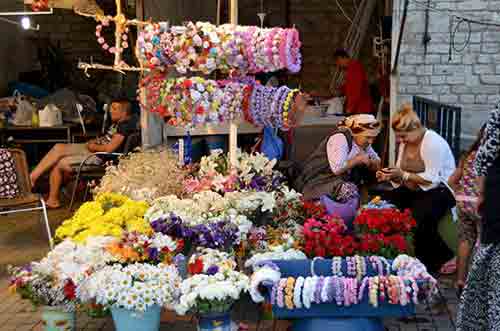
x,y
406,176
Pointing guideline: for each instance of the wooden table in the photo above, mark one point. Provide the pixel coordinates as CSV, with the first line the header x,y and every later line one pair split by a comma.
x,y
311,119
34,135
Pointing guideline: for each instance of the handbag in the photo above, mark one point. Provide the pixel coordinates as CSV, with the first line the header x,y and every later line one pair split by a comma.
x,y
272,145
346,211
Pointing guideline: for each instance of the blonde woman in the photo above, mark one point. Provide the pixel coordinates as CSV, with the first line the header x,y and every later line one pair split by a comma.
x,y
333,169
424,165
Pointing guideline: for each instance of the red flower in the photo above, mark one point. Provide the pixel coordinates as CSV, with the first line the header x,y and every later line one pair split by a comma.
x,y
187,83
399,242
180,245
386,221
196,267
69,290
200,110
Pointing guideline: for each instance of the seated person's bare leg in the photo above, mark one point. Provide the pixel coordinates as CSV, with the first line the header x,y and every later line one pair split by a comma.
x,y
56,178
53,156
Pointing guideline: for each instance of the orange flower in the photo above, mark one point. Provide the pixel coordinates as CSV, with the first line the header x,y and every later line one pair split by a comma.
x,y
114,249
167,259
129,254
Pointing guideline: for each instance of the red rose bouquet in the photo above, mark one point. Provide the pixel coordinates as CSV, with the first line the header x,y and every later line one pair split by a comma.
x,y
385,221
388,246
325,237
384,232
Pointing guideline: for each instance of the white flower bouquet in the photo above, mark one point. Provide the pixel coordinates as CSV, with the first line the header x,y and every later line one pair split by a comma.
x,y
252,172
144,175
135,287
73,261
214,284
205,294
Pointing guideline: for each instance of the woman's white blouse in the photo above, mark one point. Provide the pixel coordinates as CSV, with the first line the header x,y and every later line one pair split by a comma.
x,y
437,157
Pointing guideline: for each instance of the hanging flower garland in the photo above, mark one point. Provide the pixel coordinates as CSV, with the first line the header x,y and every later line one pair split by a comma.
x,y
198,101
102,41
204,47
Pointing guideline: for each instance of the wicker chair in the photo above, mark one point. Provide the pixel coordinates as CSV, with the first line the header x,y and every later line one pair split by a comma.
x,y
25,201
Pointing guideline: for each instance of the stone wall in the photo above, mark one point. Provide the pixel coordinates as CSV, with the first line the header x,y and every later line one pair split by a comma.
x,y
471,79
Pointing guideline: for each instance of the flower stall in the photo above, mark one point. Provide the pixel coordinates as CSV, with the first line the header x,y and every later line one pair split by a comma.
x,y
229,231
194,240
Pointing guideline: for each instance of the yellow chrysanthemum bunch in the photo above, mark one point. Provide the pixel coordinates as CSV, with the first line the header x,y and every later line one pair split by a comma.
x,y
110,214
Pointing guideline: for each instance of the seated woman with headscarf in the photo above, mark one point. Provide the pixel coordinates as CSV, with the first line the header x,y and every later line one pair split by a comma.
x,y
424,165
341,161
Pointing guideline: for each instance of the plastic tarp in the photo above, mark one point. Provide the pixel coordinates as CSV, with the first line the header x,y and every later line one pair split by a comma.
x,y
66,101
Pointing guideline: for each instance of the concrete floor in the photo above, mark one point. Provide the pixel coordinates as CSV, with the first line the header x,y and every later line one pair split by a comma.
x,y
23,239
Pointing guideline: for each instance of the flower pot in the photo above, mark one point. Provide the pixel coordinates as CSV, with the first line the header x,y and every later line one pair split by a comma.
x,y
55,319
128,320
215,322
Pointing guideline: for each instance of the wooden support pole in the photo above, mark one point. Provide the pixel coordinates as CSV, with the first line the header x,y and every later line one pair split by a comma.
x,y
145,115
233,129
233,16
396,38
119,29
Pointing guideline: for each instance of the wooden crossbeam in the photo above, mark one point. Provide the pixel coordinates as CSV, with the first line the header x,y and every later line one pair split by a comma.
x,y
121,24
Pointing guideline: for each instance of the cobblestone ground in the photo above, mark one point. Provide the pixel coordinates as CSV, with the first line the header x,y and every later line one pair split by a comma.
x,y
22,240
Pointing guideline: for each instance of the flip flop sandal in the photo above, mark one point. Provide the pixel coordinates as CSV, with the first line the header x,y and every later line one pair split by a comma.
x,y
52,207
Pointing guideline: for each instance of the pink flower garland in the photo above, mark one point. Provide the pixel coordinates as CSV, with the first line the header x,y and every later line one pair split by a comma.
x,y
105,46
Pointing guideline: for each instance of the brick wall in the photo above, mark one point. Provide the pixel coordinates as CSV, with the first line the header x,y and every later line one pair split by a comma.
x,y
15,52
74,37
471,79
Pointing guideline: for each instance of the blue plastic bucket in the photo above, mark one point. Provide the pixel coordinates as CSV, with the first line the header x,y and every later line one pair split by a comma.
x,y
215,322
128,320
55,319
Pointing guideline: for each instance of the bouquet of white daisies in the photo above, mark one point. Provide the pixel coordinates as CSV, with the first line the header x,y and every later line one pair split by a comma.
x,y
205,294
135,287
214,284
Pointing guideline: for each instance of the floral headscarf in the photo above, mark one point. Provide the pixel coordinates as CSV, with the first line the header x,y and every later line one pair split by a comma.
x,y
361,125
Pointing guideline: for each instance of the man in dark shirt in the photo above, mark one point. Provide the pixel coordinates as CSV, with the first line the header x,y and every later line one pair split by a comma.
x,y
356,88
62,157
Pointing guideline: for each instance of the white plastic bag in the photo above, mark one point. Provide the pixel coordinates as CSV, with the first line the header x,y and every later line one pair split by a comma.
x,y
50,116
24,111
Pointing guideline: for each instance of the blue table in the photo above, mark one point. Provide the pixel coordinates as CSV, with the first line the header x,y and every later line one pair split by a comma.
x,y
326,317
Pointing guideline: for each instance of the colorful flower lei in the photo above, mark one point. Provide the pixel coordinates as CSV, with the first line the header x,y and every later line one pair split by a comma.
x,y
203,47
